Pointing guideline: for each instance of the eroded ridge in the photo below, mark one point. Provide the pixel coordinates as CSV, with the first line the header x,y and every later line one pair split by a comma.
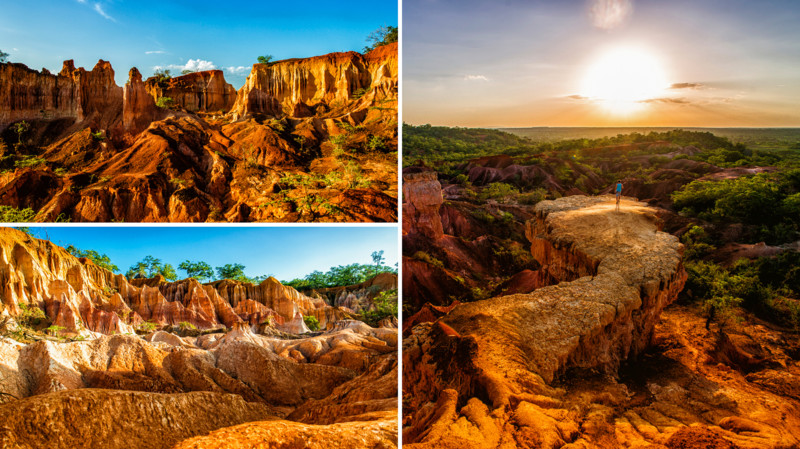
x,y
487,367
151,363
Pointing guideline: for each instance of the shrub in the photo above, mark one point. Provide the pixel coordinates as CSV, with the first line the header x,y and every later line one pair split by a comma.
x,y
165,103
311,322
385,306
31,315
427,258
499,191
29,161
376,143
10,214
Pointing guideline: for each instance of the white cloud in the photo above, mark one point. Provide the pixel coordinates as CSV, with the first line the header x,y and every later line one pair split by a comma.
x,y
82,1
155,52
237,70
198,65
195,65
476,78
99,8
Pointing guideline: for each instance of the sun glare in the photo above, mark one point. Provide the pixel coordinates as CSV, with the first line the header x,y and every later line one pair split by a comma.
x,y
623,79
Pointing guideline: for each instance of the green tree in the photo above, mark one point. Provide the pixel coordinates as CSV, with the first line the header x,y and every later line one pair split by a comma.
x,y
21,128
186,71
378,259
150,267
382,36
101,260
199,270
265,59
233,271
3,56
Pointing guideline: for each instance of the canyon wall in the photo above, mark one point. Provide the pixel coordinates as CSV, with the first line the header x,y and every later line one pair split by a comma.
x,y
84,299
196,92
298,86
616,271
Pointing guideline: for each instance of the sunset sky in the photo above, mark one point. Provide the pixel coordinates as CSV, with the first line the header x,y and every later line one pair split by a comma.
x,y
519,63
184,34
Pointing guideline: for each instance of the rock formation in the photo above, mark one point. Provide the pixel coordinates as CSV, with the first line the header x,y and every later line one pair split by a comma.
x,y
593,360
510,348
221,347
298,86
109,154
196,92
86,299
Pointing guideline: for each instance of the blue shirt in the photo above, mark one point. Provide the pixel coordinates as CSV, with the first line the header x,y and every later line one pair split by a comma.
x,y
619,187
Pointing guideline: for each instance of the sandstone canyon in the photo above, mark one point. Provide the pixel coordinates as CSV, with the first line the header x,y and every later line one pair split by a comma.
x,y
579,343
311,139
90,356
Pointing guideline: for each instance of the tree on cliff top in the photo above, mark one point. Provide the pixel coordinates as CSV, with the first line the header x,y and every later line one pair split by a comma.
x,y
199,270
235,271
381,36
101,260
265,59
149,267
3,56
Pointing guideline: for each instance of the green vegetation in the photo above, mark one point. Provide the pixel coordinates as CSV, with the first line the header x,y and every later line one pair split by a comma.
x,y
165,103
342,275
312,323
427,258
10,214
162,77
31,316
266,59
146,327
235,271
29,161
101,260
3,56
150,267
382,36
199,270
385,306
767,203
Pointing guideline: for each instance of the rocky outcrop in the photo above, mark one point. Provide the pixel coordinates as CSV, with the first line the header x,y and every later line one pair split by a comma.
x,y
616,273
422,198
292,435
195,92
138,109
120,419
295,87
26,94
84,299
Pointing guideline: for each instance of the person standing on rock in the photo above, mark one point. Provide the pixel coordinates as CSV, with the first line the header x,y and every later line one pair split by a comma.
x,y
619,192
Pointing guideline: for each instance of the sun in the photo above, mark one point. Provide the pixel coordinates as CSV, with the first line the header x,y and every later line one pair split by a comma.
x,y
622,79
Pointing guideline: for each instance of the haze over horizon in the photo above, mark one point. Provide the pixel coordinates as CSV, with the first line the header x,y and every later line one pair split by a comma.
x,y
601,63
196,35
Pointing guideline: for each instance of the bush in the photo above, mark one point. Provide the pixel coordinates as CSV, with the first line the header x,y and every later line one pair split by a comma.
x,y
165,103
385,306
29,161
499,191
312,323
10,214
427,258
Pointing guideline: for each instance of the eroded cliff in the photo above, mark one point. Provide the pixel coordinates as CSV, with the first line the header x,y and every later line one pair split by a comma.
x,y
584,362
75,337
93,151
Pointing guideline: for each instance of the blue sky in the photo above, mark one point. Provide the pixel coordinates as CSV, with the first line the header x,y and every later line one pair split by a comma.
x,y
229,35
284,252
523,62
